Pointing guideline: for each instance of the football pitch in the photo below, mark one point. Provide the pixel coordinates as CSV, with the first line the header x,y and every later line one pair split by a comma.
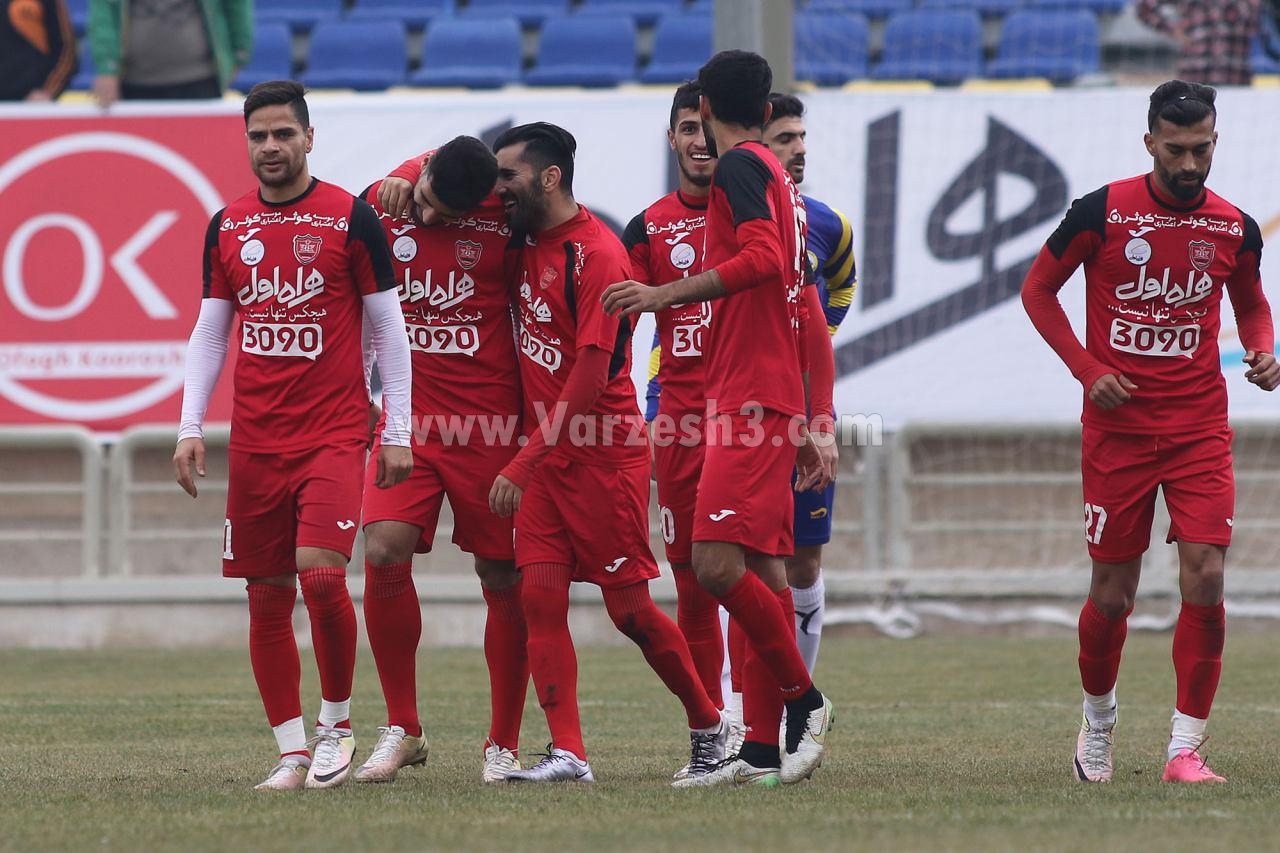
x,y
956,743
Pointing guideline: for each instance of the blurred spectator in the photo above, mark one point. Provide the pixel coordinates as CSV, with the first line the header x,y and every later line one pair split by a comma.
x,y
37,50
1215,36
162,49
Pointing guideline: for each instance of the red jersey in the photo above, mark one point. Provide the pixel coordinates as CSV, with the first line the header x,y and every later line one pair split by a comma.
x,y
457,310
666,242
561,276
1154,275
755,238
296,273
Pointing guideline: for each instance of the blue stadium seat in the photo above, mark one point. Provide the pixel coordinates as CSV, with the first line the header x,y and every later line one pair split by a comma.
x,y
78,12
272,57
644,12
530,13
1108,7
585,50
681,44
1058,45
83,81
300,15
364,55
831,49
986,8
416,14
871,8
940,46
1261,60
700,7
479,54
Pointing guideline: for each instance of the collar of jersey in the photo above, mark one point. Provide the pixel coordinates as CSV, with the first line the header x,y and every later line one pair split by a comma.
x,y
1168,204
310,188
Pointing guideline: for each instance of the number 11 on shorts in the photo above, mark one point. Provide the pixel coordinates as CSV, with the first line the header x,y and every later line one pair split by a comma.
x,y
1095,518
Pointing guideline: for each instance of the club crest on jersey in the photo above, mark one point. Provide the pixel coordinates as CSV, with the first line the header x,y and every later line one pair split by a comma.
x,y
682,256
306,248
467,252
1201,252
549,276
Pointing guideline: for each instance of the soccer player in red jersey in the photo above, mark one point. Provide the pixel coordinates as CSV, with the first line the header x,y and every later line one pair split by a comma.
x,y
665,242
1157,250
581,499
448,255
754,266
300,261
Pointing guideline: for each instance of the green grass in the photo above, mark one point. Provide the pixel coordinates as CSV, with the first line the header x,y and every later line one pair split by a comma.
x,y
941,743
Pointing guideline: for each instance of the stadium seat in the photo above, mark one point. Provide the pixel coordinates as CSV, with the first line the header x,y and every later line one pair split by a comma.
x,y
479,54
530,13
831,49
300,15
364,55
272,57
83,80
643,12
1058,45
700,7
874,9
681,44
1108,7
78,12
986,8
416,14
1260,60
585,50
940,46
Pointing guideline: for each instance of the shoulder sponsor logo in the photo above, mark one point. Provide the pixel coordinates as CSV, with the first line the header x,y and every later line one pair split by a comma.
x,y
306,247
722,514
405,249
1201,253
467,252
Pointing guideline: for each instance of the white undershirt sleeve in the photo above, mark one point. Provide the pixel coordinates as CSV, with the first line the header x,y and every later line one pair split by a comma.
x,y
385,320
206,353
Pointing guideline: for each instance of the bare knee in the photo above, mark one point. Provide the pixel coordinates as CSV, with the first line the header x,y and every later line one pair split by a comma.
x,y
1115,586
497,575
718,565
387,543
1201,571
804,566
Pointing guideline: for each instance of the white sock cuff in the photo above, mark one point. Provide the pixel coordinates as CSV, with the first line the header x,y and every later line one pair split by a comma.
x,y
332,713
810,596
291,735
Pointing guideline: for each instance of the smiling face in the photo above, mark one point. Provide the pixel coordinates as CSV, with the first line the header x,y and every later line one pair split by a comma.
x,y
689,143
1183,155
786,137
278,148
521,189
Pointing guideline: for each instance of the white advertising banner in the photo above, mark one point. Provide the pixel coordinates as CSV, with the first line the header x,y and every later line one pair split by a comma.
x,y
951,195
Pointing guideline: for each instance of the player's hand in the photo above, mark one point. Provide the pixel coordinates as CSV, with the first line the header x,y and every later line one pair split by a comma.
x,y
1112,390
106,89
375,415
395,196
813,471
633,297
188,455
829,451
1264,370
394,465
504,497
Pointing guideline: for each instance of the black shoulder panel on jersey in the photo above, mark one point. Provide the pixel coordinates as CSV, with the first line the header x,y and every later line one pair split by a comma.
x,y
366,228
1088,213
210,246
570,286
744,179
635,233
1252,236
364,193
621,345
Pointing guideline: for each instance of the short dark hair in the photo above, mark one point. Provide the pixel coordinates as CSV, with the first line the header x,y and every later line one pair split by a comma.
x,y
546,145
1181,103
785,106
462,172
736,83
686,98
276,92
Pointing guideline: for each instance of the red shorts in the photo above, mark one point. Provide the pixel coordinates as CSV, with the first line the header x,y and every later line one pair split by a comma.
x,y
1121,472
279,502
464,474
593,518
678,469
744,494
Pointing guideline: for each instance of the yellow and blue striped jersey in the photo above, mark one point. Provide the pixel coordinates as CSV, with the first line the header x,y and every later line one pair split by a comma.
x,y
830,248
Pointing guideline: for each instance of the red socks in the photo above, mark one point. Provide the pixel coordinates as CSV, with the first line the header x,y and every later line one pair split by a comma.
x,y
770,630
333,628
393,620
1101,642
1197,656
505,652
635,615
697,614
273,652
552,660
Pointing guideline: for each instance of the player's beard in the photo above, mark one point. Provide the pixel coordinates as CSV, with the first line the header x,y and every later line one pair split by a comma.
x,y
530,211
693,177
794,165
1182,190
282,179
